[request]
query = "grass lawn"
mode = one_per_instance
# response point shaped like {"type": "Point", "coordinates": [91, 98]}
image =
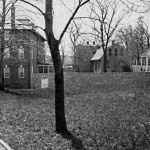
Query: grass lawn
{"type": "Point", "coordinates": [108, 111]}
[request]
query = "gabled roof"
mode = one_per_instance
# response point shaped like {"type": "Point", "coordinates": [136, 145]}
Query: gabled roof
{"type": "Point", "coordinates": [98, 55]}
{"type": "Point", "coordinates": [146, 53]}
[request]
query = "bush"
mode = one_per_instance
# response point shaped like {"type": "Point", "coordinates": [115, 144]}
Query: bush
{"type": "Point", "coordinates": [127, 69]}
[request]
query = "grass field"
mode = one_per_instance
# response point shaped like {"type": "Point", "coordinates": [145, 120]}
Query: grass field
{"type": "Point", "coordinates": [106, 111]}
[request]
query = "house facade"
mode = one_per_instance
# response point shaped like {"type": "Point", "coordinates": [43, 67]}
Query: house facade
{"type": "Point", "coordinates": [24, 52]}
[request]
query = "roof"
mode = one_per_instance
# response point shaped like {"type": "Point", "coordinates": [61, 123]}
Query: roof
{"type": "Point", "coordinates": [146, 54]}
{"type": "Point", "coordinates": [98, 55]}
{"type": "Point", "coordinates": [29, 27]}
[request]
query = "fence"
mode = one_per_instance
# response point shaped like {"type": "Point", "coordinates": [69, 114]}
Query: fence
{"type": "Point", "coordinates": [139, 68]}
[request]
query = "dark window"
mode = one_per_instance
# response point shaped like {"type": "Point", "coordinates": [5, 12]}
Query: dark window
{"type": "Point", "coordinates": [40, 69]}
{"type": "Point", "coordinates": [45, 69]}
{"type": "Point", "coordinates": [122, 52]}
{"type": "Point", "coordinates": [115, 51]}
{"type": "Point", "coordinates": [109, 51]}
{"type": "Point", "coordinates": [144, 61]}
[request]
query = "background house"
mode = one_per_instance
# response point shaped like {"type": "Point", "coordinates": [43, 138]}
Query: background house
{"type": "Point", "coordinates": [90, 58]}
{"type": "Point", "coordinates": [83, 56]}
{"type": "Point", "coordinates": [117, 59]}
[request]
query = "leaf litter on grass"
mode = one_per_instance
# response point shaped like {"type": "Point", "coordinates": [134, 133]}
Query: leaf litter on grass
{"type": "Point", "coordinates": [101, 109]}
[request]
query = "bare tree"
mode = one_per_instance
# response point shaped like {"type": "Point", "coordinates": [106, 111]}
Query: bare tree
{"type": "Point", "coordinates": [61, 126]}
{"type": "Point", "coordinates": [143, 28]}
{"type": "Point", "coordinates": [105, 19]}
{"type": "Point", "coordinates": [75, 34]}
{"type": "Point", "coordinates": [139, 6]}
{"type": "Point", "coordinates": [134, 40]}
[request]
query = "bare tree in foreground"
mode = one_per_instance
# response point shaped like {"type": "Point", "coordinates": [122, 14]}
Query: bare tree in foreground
{"type": "Point", "coordinates": [61, 126]}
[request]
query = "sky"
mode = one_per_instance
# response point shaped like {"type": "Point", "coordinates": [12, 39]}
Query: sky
{"type": "Point", "coordinates": [62, 11]}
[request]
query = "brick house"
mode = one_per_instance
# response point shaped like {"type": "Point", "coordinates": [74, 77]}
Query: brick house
{"type": "Point", "coordinates": [24, 52]}
{"type": "Point", "coordinates": [117, 59]}
{"type": "Point", "coordinates": [23, 57]}
{"type": "Point", "coordinates": [83, 56]}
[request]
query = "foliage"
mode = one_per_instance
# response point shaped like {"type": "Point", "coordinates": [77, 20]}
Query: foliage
{"type": "Point", "coordinates": [106, 111]}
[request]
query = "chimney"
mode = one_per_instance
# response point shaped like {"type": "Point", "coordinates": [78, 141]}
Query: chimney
{"type": "Point", "coordinates": [113, 42]}
{"type": "Point", "coordinates": [13, 17]}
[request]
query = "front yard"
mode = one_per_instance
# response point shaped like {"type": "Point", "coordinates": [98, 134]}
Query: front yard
{"type": "Point", "coordinates": [105, 111]}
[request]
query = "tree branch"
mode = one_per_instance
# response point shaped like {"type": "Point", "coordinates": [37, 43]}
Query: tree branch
{"type": "Point", "coordinates": [33, 6]}
{"type": "Point", "coordinates": [71, 18]}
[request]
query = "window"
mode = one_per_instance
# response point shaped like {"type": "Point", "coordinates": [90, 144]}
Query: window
{"type": "Point", "coordinates": [43, 69]}
{"type": "Point", "coordinates": [144, 61]}
{"type": "Point", "coordinates": [21, 52]}
{"type": "Point", "coordinates": [115, 51]}
{"type": "Point", "coordinates": [6, 72]}
{"type": "Point", "coordinates": [14, 47]}
{"type": "Point", "coordinates": [109, 51]}
{"type": "Point", "coordinates": [21, 72]}
{"type": "Point", "coordinates": [46, 69]}
{"type": "Point", "coordinates": [6, 53]}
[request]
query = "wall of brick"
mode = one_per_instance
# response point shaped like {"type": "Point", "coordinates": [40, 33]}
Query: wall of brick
{"type": "Point", "coordinates": [36, 79]}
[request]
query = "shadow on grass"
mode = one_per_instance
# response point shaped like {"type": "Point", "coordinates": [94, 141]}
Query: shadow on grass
{"type": "Point", "coordinates": [76, 142]}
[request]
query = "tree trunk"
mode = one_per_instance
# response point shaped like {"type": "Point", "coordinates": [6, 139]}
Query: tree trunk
{"type": "Point", "coordinates": [61, 126]}
{"type": "Point", "coordinates": [60, 120]}
{"type": "Point", "coordinates": [105, 62]}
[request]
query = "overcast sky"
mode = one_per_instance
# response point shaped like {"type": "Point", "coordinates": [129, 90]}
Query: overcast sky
{"type": "Point", "coordinates": [62, 12]}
